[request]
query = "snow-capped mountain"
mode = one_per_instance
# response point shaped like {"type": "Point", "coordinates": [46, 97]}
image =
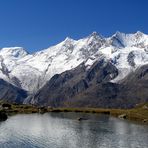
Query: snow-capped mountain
{"type": "Point", "coordinates": [31, 71]}
{"type": "Point", "coordinates": [8, 61]}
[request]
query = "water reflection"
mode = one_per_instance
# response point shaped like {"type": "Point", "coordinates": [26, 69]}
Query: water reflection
{"type": "Point", "coordinates": [63, 130]}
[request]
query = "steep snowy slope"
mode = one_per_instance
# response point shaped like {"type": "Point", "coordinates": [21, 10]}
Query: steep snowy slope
{"type": "Point", "coordinates": [8, 61]}
{"type": "Point", "coordinates": [138, 39]}
{"type": "Point", "coordinates": [31, 71]}
{"type": "Point", "coordinates": [36, 69]}
{"type": "Point", "coordinates": [10, 55]}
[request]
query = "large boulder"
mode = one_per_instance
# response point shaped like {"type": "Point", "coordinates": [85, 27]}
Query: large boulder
{"type": "Point", "coordinates": [3, 116]}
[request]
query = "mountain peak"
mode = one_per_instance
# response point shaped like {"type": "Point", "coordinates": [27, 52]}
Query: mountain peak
{"type": "Point", "coordinates": [68, 39]}
{"type": "Point", "coordinates": [16, 52]}
{"type": "Point", "coordinates": [139, 34]}
{"type": "Point", "coordinates": [95, 34]}
{"type": "Point", "coordinates": [118, 34]}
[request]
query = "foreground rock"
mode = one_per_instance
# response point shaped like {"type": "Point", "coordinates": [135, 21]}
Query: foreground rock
{"type": "Point", "coordinates": [123, 116]}
{"type": "Point", "coordinates": [3, 116]}
{"type": "Point", "coordinates": [80, 119]}
{"type": "Point", "coordinates": [145, 120]}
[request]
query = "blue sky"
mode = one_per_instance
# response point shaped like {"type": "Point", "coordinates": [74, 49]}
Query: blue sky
{"type": "Point", "coordinates": [38, 24]}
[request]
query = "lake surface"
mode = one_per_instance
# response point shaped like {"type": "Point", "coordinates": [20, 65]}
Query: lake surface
{"type": "Point", "coordinates": [63, 130]}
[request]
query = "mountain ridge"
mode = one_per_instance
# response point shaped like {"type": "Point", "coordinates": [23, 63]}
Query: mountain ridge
{"type": "Point", "coordinates": [31, 72]}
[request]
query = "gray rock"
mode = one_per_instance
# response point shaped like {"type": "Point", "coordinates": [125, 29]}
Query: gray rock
{"type": "Point", "coordinates": [145, 107]}
{"type": "Point", "coordinates": [80, 119]}
{"type": "Point", "coordinates": [11, 93]}
{"type": "Point", "coordinates": [145, 120]}
{"type": "Point", "coordinates": [123, 116]}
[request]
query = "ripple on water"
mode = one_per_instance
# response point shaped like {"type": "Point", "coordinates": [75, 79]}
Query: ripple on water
{"type": "Point", "coordinates": [62, 130]}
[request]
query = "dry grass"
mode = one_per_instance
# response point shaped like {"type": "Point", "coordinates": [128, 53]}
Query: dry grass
{"type": "Point", "coordinates": [139, 113]}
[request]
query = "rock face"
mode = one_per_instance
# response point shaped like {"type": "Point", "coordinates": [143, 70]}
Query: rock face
{"type": "Point", "coordinates": [10, 93]}
{"type": "Point", "coordinates": [80, 88]}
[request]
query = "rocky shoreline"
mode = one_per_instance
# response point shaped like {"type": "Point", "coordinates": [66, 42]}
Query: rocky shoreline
{"type": "Point", "coordinates": [139, 113]}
